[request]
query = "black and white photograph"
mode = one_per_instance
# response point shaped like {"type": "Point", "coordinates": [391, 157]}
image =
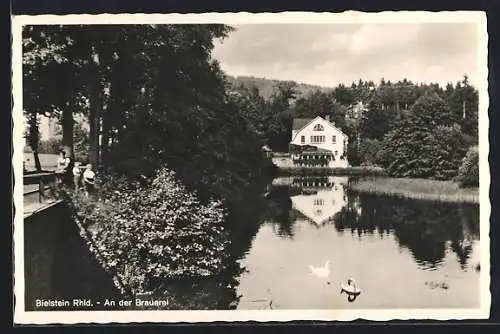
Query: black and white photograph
{"type": "Point", "coordinates": [268, 167]}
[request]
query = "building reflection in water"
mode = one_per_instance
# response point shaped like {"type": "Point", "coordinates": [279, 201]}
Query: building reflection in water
{"type": "Point", "coordinates": [320, 199]}
{"type": "Point", "coordinates": [430, 230]}
{"type": "Point", "coordinates": [306, 220]}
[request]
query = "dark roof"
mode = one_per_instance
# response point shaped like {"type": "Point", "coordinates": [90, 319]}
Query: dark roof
{"type": "Point", "coordinates": [318, 151]}
{"type": "Point", "coordinates": [299, 123]}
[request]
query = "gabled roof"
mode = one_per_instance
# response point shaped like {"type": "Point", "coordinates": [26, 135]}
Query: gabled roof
{"type": "Point", "coordinates": [299, 123]}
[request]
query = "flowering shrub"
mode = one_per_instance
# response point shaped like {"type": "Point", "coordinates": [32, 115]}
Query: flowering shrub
{"type": "Point", "coordinates": [150, 233]}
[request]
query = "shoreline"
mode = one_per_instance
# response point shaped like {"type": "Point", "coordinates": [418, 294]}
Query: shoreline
{"type": "Point", "coordinates": [434, 190]}
{"type": "Point", "coordinates": [331, 171]}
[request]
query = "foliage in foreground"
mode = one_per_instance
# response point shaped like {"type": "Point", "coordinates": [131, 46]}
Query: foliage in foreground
{"type": "Point", "coordinates": [468, 173]}
{"type": "Point", "coordinates": [154, 233]}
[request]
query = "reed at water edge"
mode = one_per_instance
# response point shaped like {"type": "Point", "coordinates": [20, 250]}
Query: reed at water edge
{"type": "Point", "coordinates": [446, 191]}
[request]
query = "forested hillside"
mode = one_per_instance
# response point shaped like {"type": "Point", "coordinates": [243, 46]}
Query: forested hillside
{"type": "Point", "coordinates": [266, 86]}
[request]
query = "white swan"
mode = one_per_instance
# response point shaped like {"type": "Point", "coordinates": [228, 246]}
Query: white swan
{"type": "Point", "coordinates": [321, 272]}
{"type": "Point", "coordinates": [350, 288]}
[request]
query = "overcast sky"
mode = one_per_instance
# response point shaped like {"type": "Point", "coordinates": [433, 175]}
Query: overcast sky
{"type": "Point", "coordinates": [327, 54]}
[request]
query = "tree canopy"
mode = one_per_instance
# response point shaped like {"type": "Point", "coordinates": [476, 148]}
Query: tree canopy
{"type": "Point", "coordinates": [208, 126]}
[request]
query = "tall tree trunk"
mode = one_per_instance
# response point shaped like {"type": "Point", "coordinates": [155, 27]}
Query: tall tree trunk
{"type": "Point", "coordinates": [33, 138]}
{"type": "Point", "coordinates": [107, 121]}
{"type": "Point", "coordinates": [67, 129]}
{"type": "Point", "coordinates": [95, 105]}
{"type": "Point", "coordinates": [38, 166]}
{"type": "Point", "coordinates": [94, 125]}
{"type": "Point", "coordinates": [106, 128]}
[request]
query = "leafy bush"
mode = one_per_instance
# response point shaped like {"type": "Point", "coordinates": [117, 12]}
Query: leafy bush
{"type": "Point", "coordinates": [468, 173]}
{"type": "Point", "coordinates": [353, 155]}
{"type": "Point", "coordinates": [161, 231]}
{"type": "Point", "coordinates": [369, 150]}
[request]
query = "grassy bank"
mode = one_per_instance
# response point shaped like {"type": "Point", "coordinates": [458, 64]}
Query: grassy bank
{"type": "Point", "coordinates": [447, 191]}
{"type": "Point", "coordinates": [48, 161]}
{"type": "Point", "coordinates": [347, 171]}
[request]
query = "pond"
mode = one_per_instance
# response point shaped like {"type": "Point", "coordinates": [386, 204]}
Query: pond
{"type": "Point", "coordinates": [401, 253]}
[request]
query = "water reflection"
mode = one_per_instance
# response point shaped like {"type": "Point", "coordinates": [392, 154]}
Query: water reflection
{"type": "Point", "coordinates": [390, 245]}
{"type": "Point", "coordinates": [320, 199]}
{"type": "Point", "coordinates": [427, 228]}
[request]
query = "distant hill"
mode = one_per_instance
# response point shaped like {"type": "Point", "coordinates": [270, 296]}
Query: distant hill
{"type": "Point", "coordinates": [265, 86]}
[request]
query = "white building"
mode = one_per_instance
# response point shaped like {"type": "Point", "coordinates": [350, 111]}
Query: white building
{"type": "Point", "coordinates": [356, 111]}
{"type": "Point", "coordinates": [318, 141]}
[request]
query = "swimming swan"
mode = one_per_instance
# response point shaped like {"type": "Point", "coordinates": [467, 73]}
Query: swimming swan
{"type": "Point", "coordinates": [321, 272]}
{"type": "Point", "coordinates": [350, 288]}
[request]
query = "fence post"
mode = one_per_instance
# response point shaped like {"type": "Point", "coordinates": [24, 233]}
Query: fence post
{"type": "Point", "coordinates": [41, 187]}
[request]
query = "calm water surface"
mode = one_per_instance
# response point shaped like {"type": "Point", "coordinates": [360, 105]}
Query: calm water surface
{"type": "Point", "coordinates": [402, 253]}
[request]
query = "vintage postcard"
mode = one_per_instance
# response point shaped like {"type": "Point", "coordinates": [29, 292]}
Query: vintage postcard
{"type": "Point", "coordinates": [250, 167]}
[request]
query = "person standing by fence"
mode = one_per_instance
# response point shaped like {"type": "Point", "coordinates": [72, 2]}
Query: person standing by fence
{"type": "Point", "coordinates": [89, 180]}
{"type": "Point", "coordinates": [62, 167]}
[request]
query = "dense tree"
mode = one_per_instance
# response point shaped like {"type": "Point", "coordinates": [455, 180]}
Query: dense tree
{"type": "Point", "coordinates": [464, 101]}
{"type": "Point", "coordinates": [375, 122]}
{"type": "Point", "coordinates": [344, 95]}
{"type": "Point", "coordinates": [369, 150]}
{"type": "Point", "coordinates": [320, 104]}
{"type": "Point", "coordinates": [251, 104]}
{"type": "Point", "coordinates": [426, 143]}
{"type": "Point", "coordinates": [278, 116]}
{"type": "Point", "coordinates": [125, 79]}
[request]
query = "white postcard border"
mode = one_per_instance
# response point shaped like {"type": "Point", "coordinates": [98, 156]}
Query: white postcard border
{"type": "Point", "coordinates": [73, 317]}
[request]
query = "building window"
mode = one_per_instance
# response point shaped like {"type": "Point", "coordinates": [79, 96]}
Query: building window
{"type": "Point", "coordinates": [319, 201]}
{"type": "Point", "coordinates": [317, 139]}
{"type": "Point", "coordinates": [318, 127]}
{"type": "Point", "coordinates": [334, 139]}
{"type": "Point", "coordinates": [303, 139]}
